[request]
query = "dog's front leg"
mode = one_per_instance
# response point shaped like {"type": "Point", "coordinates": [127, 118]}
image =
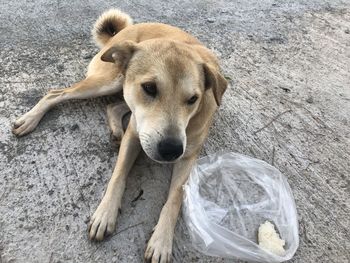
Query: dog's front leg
{"type": "Point", "coordinates": [103, 221]}
{"type": "Point", "coordinates": [160, 245]}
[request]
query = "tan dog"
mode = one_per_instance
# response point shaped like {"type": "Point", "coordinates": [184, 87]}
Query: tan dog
{"type": "Point", "coordinates": [171, 84]}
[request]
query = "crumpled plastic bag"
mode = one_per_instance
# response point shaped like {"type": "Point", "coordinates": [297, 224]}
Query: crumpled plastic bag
{"type": "Point", "coordinates": [227, 197]}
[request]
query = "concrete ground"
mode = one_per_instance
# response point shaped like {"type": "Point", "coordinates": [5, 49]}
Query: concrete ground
{"type": "Point", "coordinates": [288, 103]}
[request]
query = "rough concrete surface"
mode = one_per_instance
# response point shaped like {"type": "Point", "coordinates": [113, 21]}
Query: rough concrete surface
{"type": "Point", "coordinates": [288, 104]}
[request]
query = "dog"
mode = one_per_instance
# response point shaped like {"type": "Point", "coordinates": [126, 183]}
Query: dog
{"type": "Point", "coordinates": [172, 85]}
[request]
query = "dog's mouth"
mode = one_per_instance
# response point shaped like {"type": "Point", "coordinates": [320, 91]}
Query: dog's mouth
{"type": "Point", "coordinates": [167, 150]}
{"type": "Point", "coordinates": [159, 160]}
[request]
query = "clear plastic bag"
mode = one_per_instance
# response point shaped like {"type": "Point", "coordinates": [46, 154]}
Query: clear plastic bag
{"type": "Point", "coordinates": [227, 197]}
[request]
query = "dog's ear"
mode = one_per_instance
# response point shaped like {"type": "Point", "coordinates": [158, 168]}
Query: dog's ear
{"type": "Point", "coordinates": [215, 81]}
{"type": "Point", "coordinates": [120, 54]}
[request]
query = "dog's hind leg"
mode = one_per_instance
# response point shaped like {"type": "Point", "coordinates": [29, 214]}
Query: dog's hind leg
{"type": "Point", "coordinates": [90, 87]}
{"type": "Point", "coordinates": [118, 115]}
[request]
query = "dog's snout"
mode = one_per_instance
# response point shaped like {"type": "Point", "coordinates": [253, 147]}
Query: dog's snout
{"type": "Point", "coordinates": [170, 149]}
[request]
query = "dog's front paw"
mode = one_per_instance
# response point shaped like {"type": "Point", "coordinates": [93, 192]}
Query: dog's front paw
{"type": "Point", "coordinates": [103, 221]}
{"type": "Point", "coordinates": [25, 124]}
{"type": "Point", "coordinates": [159, 247]}
{"type": "Point", "coordinates": [117, 115]}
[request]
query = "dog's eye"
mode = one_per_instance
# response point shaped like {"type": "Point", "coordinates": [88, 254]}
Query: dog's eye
{"type": "Point", "coordinates": [150, 88]}
{"type": "Point", "coordinates": [192, 100]}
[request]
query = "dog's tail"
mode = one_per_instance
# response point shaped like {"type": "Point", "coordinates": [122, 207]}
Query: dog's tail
{"type": "Point", "coordinates": [108, 25]}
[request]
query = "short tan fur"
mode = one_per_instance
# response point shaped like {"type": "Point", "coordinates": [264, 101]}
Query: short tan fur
{"type": "Point", "coordinates": [172, 85]}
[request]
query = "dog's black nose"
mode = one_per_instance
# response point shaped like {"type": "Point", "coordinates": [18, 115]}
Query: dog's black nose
{"type": "Point", "coordinates": [170, 149]}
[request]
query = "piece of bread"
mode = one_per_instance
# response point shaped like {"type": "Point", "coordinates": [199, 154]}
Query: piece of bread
{"type": "Point", "coordinates": [270, 240]}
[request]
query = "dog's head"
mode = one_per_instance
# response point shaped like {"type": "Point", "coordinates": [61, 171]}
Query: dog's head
{"type": "Point", "coordinates": [165, 84]}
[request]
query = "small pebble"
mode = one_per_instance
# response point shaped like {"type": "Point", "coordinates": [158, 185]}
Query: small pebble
{"type": "Point", "coordinates": [309, 100]}
{"type": "Point", "coordinates": [210, 20]}
{"type": "Point", "coordinates": [87, 56]}
{"type": "Point", "coordinates": [347, 31]}
{"type": "Point", "coordinates": [74, 127]}
{"type": "Point", "coordinates": [60, 68]}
